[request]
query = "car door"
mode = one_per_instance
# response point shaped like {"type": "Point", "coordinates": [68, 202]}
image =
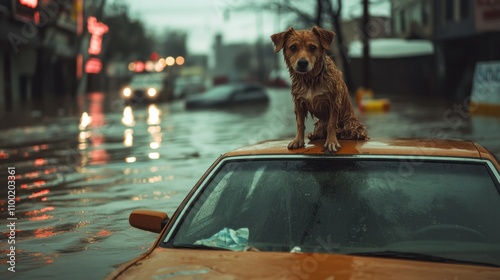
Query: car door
{"type": "Point", "coordinates": [249, 94]}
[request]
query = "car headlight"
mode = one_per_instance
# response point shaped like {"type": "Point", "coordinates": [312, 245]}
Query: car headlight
{"type": "Point", "coordinates": [127, 92]}
{"type": "Point", "coordinates": [151, 92]}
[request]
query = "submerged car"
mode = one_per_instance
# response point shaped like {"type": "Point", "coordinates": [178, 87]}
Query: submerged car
{"type": "Point", "coordinates": [398, 209]}
{"type": "Point", "coordinates": [146, 88]}
{"type": "Point", "coordinates": [229, 95]}
{"type": "Point", "coordinates": [186, 86]}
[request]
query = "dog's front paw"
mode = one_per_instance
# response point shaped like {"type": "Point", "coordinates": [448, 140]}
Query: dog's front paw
{"type": "Point", "coordinates": [296, 143]}
{"type": "Point", "coordinates": [331, 146]}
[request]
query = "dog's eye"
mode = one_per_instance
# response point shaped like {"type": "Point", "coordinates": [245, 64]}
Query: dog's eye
{"type": "Point", "coordinates": [293, 48]}
{"type": "Point", "coordinates": [312, 48]}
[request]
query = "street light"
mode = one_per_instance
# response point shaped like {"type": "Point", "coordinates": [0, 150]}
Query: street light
{"type": "Point", "coordinates": [170, 61]}
{"type": "Point", "coordinates": [159, 66]}
{"type": "Point", "coordinates": [131, 66]}
{"type": "Point", "coordinates": [149, 65]}
{"type": "Point", "coordinates": [179, 60]}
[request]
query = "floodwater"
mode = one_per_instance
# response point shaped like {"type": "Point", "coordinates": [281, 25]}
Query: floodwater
{"type": "Point", "coordinates": [80, 175]}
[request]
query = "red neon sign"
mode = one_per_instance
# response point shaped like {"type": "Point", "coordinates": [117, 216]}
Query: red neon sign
{"type": "Point", "coordinates": [93, 66]}
{"type": "Point", "coordinates": [95, 46]}
{"type": "Point", "coordinates": [25, 10]}
{"type": "Point", "coordinates": [29, 3]}
{"type": "Point", "coordinates": [97, 30]}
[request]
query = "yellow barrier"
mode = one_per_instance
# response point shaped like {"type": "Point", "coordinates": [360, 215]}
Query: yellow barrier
{"type": "Point", "coordinates": [484, 109]}
{"type": "Point", "coordinates": [366, 102]}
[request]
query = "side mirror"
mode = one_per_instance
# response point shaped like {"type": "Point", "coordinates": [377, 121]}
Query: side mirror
{"type": "Point", "coordinates": [149, 220]}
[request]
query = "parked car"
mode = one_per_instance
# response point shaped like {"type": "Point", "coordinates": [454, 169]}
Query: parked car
{"type": "Point", "coordinates": [229, 95]}
{"type": "Point", "coordinates": [399, 209]}
{"type": "Point", "coordinates": [280, 78]}
{"type": "Point", "coordinates": [147, 88]}
{"type": "Point", "coordinates": [185, 87]}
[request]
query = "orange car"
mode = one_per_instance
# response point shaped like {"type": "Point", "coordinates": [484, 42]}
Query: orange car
{"type": "Point", "coordinates": [377, 209]}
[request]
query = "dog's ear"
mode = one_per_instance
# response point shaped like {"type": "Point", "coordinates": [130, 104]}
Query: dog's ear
{"type": "Point", "coordinates": [280, 38]}
{"type": "Point", "coordinates": [325, 36]}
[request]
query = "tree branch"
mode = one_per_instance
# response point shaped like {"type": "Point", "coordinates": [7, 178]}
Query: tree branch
{"type": "Point", "coordinates": [286, 7]}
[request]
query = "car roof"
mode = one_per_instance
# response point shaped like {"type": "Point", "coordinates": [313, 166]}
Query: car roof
{"type": "Point", "coordinates": [240, 85]}
{"type": "Point", "coordinates": [382, 147]}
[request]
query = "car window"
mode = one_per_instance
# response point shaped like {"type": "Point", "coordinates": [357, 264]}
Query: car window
{"type": "Point", "coordinates": [351, 205]}
{"type": "Point", "coordinates": [147, 80]}
{"type": "Point", "coordinates": [249, 93]}
{"type": "Point", "coordinates": [219, 91]}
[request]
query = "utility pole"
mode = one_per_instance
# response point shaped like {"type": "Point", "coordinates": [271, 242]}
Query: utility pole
{"type": "Point", "coordinates": [81, 87]}
{"type": "Point", "coordinates": [366, 45]}
{"type": "Point", "coordinates": [365, 92]}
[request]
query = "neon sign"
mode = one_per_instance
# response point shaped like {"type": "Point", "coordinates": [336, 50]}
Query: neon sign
{"type": "Point", "coordinates": [93, 66]}
{"type": "Point", "coordinates": [26, 10]}
{"type": "Point", "coordinates": [29, 3]}
{"type": "Point", "coordinates": [96, 30]}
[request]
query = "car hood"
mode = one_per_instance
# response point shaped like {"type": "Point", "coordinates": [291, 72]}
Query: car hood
{"type": "Point", "coordinates": [138, 87]}
{"type": "Point", "coordinates": [200, 264]}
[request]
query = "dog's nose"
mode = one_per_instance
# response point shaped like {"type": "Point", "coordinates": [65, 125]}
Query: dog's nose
{"type": "Point", "coordinates": [302, 63]}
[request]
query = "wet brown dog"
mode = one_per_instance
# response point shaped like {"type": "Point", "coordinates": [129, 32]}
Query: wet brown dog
{"type": "Point", "coordinates": [318, 88]}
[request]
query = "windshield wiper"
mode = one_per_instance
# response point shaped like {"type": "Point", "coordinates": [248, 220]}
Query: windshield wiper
{"type": "Point", "coordinates": [197, 246]}
{"type": "Point", "coordinates": [418, 257]}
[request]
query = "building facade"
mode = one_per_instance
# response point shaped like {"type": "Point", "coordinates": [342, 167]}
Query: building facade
{"type": "Point", "coordinates": [242, 61]}
{"type": "Point", "coordinates": [463, 32]}
{"type": "Point", "coordinates": [378, 28]}
{"type": "Point", "coordinates": [37, 51]}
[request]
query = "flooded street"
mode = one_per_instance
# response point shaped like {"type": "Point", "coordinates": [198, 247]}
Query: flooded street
{"type": "Point", "coordinates": [78, 177]}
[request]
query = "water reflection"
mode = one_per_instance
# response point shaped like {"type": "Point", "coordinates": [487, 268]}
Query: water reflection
{"type": "Point", "coordinates": [76, 191]}
{"type": "Point", "coordinates": [154, 129]}
{"type": "Point", "coordinates": [36, 215]}
{"type": "Point", "coordinates": [154, 114]}
{"type": "Point", "coordinates": [92, 126]}
{"type": "Point", "coordinates": [128, 138]}
{"type": "Point", "coordinates": [154, 155]}
{"type": "Point", "coordinates": [82, 139]}
{"type": "Point", "coordinates": [128, 116]}
{"type": "Point", "coordinates": [130, 159]}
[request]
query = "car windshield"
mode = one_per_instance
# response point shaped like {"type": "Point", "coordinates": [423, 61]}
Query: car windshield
{"type": "Point", "coordinates": [147, 80]}
{"type": "Point", "coordinates": [441, 208]}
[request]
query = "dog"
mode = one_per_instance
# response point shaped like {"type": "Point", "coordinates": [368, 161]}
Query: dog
{"type": "Point", "coordinates": [318, 88]}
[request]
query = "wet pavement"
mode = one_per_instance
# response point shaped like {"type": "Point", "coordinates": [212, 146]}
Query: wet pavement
{"type": "Point", "coordinates": [79, 176]}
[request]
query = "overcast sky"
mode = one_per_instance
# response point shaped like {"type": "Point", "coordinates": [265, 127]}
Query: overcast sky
{"type": "Point", "coordinates": [202, 19]}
